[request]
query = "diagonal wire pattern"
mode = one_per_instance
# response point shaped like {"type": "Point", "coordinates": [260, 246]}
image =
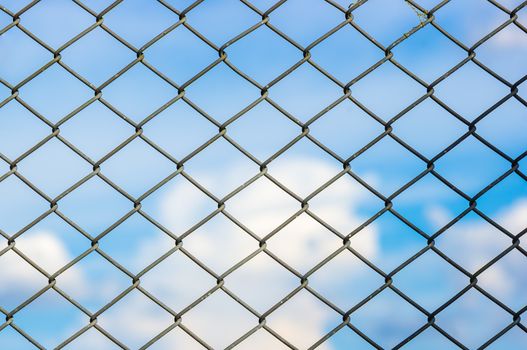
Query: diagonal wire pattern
{"type": "Point", "coordinates": [427, 19]}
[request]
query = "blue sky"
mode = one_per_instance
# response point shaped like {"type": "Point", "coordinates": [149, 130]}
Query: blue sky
{"type": "Point", "coordinates": [220, 168]}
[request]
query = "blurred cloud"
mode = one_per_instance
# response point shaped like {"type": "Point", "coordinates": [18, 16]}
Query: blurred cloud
{"type": "Point", "coordinates": [46, 251]}
{"type": "Point", "coordinates": [481, 240]}
{"type": "Point", "coordinates": [510, 37]}
{"type": "Point", "coordinates": [506, 278]}
{"type": "Point", "coordinates": [181, 205]}
{"type": "Point", "coordinates": [179, 281]}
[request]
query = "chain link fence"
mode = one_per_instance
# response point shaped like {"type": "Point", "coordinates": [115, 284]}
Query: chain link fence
{"type": "Point", "coordinates": [343, 317]}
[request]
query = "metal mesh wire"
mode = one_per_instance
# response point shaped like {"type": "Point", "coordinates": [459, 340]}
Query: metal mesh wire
{"type": "Point", "coordinates": [427, 19]}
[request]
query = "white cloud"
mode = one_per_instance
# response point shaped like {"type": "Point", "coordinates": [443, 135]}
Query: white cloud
{"type": "Point", "coordinates": [510, 37]}
{"type": "Point", "coordinates": [255, 207]}
{"type": "Point", "coordinates": [48, 252]}
{"type": "Point", "coordinates": [515, 217]}
{"type": "Point", "coordinates": [472, 319]}
{"type": "Point", "coordinates": [438, 216]}
{"type": "Point", "coordinates": [261, 283]}
{"type": "Point", "coordinates": [473, 244]}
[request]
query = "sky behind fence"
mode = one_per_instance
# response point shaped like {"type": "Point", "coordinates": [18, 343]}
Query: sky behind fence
{"type": "Point", "coordinates": [111, 239]}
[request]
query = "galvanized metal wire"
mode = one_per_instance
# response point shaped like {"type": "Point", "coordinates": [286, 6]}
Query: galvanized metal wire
{"type": "Point", "coordinates": [427, 18]}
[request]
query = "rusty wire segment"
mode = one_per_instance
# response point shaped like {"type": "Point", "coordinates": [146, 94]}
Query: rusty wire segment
{"type": "Point", "coordinates": [426, 18]}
